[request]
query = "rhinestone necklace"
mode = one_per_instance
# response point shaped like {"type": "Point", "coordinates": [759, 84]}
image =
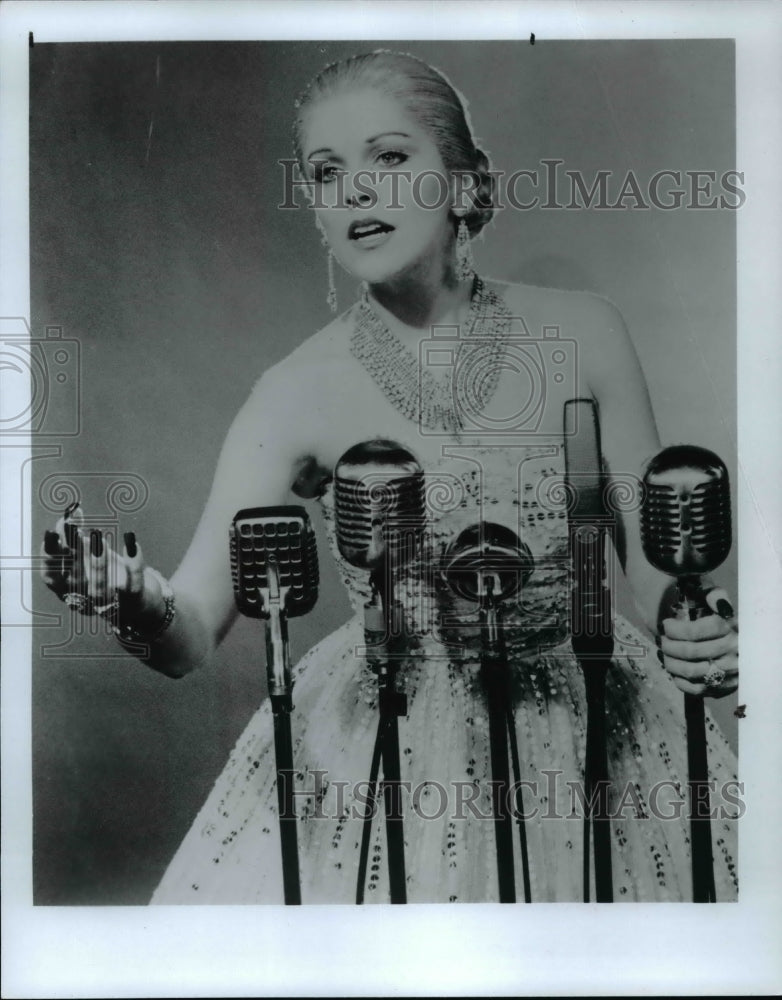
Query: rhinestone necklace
{"type": "Point", "coordinates": [471, 375]}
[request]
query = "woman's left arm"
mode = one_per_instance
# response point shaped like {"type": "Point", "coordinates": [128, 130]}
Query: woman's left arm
{"type": "Point", "coordinates": [701, 656]}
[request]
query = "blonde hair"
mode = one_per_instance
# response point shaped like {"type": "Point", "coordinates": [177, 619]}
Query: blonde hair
{"type": "Point", "coordinates": [429, 98]}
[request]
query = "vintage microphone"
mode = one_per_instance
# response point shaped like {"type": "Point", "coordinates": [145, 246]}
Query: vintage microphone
{"type": "Point", "coordinates": [274, 567]}
{"type": "Point", "coordinates": [380, 516]}
{"type": "Point", "coordinates": [487, 564]}
{"type": "Point", "coordinates": [685, 532]}
{"type": "Point", "coordinates": [590, 624]}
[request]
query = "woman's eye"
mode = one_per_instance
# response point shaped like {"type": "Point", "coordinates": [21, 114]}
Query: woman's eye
{"type": "Point", "coordinates": [392, 158]}
{"type": "Point", "coordinates": [325, 173]}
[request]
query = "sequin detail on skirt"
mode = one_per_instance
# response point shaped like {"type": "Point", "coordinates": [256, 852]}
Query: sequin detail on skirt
{"type": "Point", "coordinates": [232, 852]}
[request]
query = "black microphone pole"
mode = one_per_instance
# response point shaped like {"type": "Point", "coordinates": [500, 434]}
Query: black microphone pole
{"type": "Point", "coordinates": [494, 668]}
{"type": "Point", "coordinates": [391, 704]}
{"type": "Point", "coordinates": [702, 860]}
{"type": "Point", "coordinates": [280, 691]}
{"type": "Point", "coordinates": [488, 564]}
{"type": "Point", "coordinates": [591, 626]}
{"type": "Point", "coordinates": [379, 507]}
{"type": "Point", "coordinates": [275, 575]}
{"type": "Point", "coordinates": [685, 532]}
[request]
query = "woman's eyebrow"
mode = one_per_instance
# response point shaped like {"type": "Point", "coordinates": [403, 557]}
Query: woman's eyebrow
{"type": "Point", "coordinates": [315, 152]}
{"type": "Point", "coordinates": [382, 135]}
{"type": "Point", "coordinates": [368, 142]}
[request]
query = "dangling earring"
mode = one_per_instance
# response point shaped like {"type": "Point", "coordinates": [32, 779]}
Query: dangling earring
{"type": "Point", "coordinates": [331, 296]}
{"type": "Point", "coordinates": [465, 265]}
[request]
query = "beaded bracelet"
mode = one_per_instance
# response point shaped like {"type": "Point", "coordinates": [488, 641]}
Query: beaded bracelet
{"type": "Point", "coordinates": [129, 633]}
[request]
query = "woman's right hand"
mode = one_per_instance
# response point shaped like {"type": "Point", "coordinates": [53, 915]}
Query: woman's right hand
{"type": "Point", "coordinates": [88, 574]}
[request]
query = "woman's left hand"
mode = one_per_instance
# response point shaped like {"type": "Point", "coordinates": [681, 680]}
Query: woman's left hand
{"type": "Point", "coordinates": [702, 655]}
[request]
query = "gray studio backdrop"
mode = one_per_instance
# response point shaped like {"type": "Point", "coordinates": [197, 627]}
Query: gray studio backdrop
{"type": "Point", "coordinates": [158, 247]}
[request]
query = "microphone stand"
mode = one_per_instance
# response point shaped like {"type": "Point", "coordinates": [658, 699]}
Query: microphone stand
{"type": "Point", "coordinates": [703, 888]}
{"type": "Point", "coordinates": [494, 668]}
{"type": "Point", "coordinates": [391, 704]}
{"type": "Point", "coordinates": [380, 515]}
{"type": "Point", "coordinates": [686, 531]}
{"type": "Point", "coordinates": [593, 648]}
{"type": "Point", "coordinates": [280, 695]}
{"type": "Point", "coordinates": [274, 571]}
{"type": "Point", "coordinates": [591, 627]}
{"type": "Point", "coordinates": [488, 564]}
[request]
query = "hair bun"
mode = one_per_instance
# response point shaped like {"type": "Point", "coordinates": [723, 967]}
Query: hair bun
{"type": "Point", "coordinates": [484, 205]}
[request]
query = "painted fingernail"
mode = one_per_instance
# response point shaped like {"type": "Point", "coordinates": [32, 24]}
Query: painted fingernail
{"type": "Point", "coordinates": [51, 543]}
{"type": "Point", "coordinates": [96, 543]}
{"type": "Point", "coordinates": [725, 609]}
{"type": "Point", "coordinates": [71, 509]}
{"type": "Point", "coordinates": [71, 534]}
{"type": "Point", "coordinates": [130, 543]}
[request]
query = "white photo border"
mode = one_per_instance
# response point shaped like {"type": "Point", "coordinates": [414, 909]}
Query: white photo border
{"type": "Point", "coordinates": [482, 950]}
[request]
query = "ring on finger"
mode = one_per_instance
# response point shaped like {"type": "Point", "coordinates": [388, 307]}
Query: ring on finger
{"type": "Point", "coordinates": [80, 602]}
{"type": "Point", "coordinates": [715, 676]}
{"type": "Point", "coordinates": [108, 611]}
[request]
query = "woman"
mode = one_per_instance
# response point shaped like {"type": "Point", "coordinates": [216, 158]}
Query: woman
{"type": "Point", "coordinates": [398, 190]}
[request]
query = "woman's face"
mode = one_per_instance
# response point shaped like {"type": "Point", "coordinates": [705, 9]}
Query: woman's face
{"type": "Point", "coordinates": [382, 194]}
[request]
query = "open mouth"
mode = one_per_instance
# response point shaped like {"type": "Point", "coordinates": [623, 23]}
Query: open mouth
{"type": "Point", "coordinates": [368, 228]}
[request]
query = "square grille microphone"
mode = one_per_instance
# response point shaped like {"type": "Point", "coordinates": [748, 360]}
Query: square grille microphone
{"type": "Point", "coordinates": [282, 536]}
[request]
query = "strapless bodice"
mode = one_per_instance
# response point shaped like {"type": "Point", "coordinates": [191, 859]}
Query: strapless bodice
{"type": "Point", "coordinates": [517, 488]}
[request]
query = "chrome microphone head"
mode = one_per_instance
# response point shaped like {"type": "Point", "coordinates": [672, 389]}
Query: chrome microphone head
{"type": "Point", "coordinates": [281, 538]}
{"type": "Point", "coordinates": [379, 503]}
{"type": "Point", "coordinates": [685, 515]}
{"type": "Point", "coordinates": [487, 555]}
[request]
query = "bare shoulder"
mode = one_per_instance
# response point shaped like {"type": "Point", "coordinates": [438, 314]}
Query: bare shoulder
{"type": "Point", "coordinates": [304, 376]}
{"type": "Point", "coordinates": [584, 315]}
{"type": "Point", "coordinates": [607, 358]}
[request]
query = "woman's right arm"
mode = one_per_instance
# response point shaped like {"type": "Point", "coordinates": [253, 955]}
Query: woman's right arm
{"type": "Point", "coordinates": [255, 468]}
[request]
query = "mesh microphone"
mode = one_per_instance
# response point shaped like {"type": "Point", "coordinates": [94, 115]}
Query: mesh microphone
{"type": "Point", "coordinates": [379, 504]}
{"type": "Point", "coordinates": [686, 516]}
{"type": "Point", "coordinates": [486, 564]}
{"type": "Point", "coordinates": [487, 559]}
{"type": "Point", "coordinates": [379, 508]}
{"type": "Point", "coordinates": [274, 556]}
{"type": "Point", "coordinates": [686, 531]}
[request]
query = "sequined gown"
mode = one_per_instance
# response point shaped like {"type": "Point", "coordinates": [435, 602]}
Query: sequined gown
{"type": "Point", "coordinates": [232, 852]}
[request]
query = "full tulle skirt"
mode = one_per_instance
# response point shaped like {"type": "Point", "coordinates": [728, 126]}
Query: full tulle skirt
{"type": "Point", "coordinates": [232, 851]}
